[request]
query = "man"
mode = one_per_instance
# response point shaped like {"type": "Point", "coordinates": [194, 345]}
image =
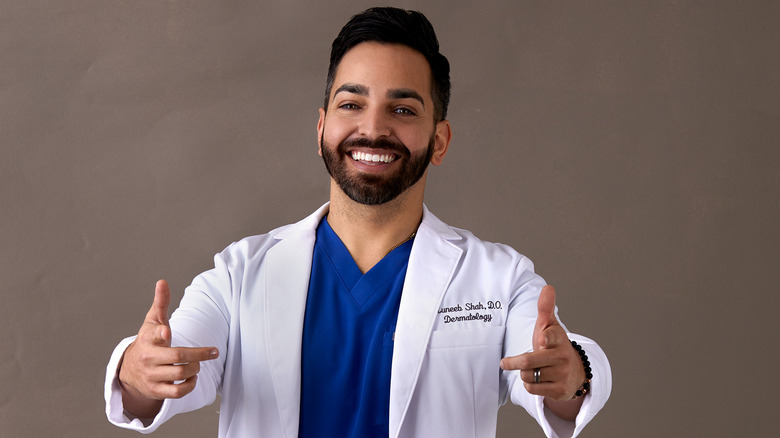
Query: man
{"type": "Point", "coordinates": [370, 317]}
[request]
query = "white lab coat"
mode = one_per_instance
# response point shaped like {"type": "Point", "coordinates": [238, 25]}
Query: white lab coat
{"type": "Point", "coordinates": [465, 305]}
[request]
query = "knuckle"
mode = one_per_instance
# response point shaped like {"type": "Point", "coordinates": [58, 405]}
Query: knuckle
{"type": "Point", "coordinates": [145, 357]}
{"type": "Point", "coordinates": [522, 363]}
{"type": "Point", "coordinates": [177, 392]}
{"type": "Point", "coordinates": [157, 391]}
{"type": "Point", "coordinates": [525, 376]}
{"type": "Point", "coordinates": [179, 373]}
{"type": "Point", "coordinates": [180, 390]}
{"type": "Point", "coordinates": [165, 390]}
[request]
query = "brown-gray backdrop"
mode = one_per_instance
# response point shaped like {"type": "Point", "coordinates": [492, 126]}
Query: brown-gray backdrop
{"type": "Point", "coordinates": [629, 148]}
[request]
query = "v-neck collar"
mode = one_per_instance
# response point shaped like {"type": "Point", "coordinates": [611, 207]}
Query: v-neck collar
{"type": "Point", "coordinates": [361, 286]}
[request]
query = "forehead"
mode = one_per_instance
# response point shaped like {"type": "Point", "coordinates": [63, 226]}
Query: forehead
{"type": "Point", "coordinates": [381, 67]}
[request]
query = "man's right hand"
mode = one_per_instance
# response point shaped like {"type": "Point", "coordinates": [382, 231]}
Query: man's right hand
{"type": "Point", "coordinates": [150, 367]}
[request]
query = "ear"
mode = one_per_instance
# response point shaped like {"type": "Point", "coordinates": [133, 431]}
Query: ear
{"type": "Point", "coordinates": [320, 129]}
{"type": "Point", "coordinates": [442, 139]}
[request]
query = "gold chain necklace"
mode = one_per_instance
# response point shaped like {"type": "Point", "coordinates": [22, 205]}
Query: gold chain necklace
{"type": "Point", "coordinates": [411, 236]}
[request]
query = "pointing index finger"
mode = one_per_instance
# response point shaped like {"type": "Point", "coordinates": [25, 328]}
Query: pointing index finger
{"type": "Point", "coordinates": [183, 355]}
{"type": "Point", "coordinates": [525, 361]}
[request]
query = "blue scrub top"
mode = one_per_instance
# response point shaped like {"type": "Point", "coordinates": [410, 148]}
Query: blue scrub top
{"type": "Point", "coordinates": [347, 349]}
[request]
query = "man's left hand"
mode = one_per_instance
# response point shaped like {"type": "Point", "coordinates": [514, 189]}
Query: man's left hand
{"type": "Point", "coordinates": [560, 369]}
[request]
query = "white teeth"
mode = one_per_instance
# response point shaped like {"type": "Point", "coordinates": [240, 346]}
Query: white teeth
{"type": "Point", "coordinates": [374, 158]}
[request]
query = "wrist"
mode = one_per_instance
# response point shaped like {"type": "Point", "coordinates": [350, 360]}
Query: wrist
{"type": "Point", "coordinates": [585, 386]}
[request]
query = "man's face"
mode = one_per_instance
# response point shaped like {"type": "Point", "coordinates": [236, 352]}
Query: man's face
{"type": "Point", "coordinates": [378, 133]}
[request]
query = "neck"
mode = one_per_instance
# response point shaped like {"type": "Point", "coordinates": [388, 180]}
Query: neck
{"type": "Point", "coordinates": [370, 232]}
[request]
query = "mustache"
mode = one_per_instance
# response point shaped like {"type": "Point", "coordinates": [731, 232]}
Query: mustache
{"type": "Point", "coordinates": [381, 143]}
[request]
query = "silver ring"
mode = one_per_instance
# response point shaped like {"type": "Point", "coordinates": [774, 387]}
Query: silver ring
{"type": "Point", "coordinates": [537, 375]}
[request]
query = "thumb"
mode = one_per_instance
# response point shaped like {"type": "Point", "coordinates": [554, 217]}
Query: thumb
{"type": "Point", "coordinates": [545, 317]}
{"type": "Point", "coordinates": [158, 314]}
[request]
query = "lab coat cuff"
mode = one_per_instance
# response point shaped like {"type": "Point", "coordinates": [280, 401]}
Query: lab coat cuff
{"type": "Point", "coordinates": [601, 386]}
{"type": "Point", "coordinates": [115, 411]}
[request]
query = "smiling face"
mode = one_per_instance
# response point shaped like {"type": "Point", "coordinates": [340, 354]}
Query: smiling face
{"type": "Point", "coordinates": [378, 133]}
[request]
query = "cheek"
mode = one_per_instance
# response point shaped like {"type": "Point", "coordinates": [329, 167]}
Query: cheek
{"type": "Point", "coordinates": [415, 141]}
{"type": "Point", "coordinates": [334, 133]}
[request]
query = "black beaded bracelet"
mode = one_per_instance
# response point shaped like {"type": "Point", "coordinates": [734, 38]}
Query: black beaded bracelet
{"type": "Point", "coordinates": [588, 372]}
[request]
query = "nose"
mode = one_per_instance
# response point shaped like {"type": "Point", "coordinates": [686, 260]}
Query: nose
{"type": "Point", "coordinates": [374, 124]}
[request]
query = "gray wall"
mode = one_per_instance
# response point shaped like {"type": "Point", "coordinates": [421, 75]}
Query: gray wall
{"type": "Point", "coordinates": [629, 148]}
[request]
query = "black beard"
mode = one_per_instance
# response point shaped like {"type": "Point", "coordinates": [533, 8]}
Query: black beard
{"type": "Point", "coordinates": [370, 189]}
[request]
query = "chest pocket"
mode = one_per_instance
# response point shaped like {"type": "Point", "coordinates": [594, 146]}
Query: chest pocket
{"type": "Point", "coordinates": [465, 338]}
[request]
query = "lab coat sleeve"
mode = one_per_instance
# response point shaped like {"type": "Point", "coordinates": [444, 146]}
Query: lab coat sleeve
{"type": "Point", "coordinates": [520, 323]}
{"type": "Point", "coordinates": [202, 319]}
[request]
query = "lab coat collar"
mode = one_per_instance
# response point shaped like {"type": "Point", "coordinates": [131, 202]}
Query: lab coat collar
{"type": "Point", "coordinates": [309, 224]}
{"type": "Point", "coordinates": [432, 264]}
{"type": "Point", "coordinates": [288, 265]}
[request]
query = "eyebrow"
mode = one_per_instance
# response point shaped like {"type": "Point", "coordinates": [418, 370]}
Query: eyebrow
{"type": "Point", "coordinates": [360, 90]}
{"type": "Point", "coordinates": [405, 93]}
{"type": "Point", "coordinates": [395, 93]}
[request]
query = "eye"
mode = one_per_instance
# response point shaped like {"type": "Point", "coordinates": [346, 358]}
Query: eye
{"type": "Point", "coordinates": [405, 111]}
{"type": "Point", "coordinates": [348, 106]}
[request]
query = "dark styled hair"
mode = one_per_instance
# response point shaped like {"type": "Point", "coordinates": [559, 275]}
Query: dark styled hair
{"type": "Point", "coordinates": [395, 26]}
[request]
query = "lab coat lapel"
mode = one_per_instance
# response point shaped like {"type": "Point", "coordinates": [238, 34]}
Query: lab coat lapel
{"type": "Point", "coordinates": [288, 269]}
{"type": "Point", "coordinates": [432, 264]}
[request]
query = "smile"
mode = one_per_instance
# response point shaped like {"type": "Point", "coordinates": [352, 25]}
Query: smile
{"type": "Point", "coordinates": [372, 158]}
